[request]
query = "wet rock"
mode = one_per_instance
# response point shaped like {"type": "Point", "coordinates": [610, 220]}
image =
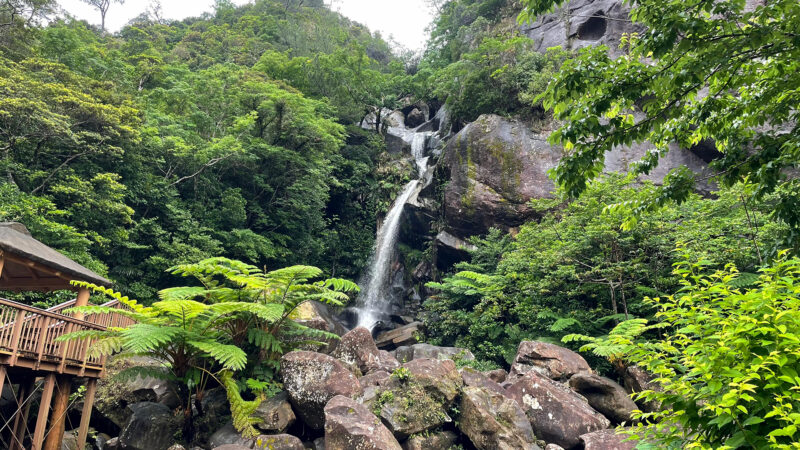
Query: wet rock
{"type": "Point", "coordinates": [416, 351]}
{"type": "Point", "coordinates": [150, 427]}
{"type": "Point", "coordinates": [552, 361]}
{"type": "Point", "coordinates": [442, 440]}
{"type": "Point", "coordinates": [227, 435]}
{"type": "Point", "coordinates": [497, 375]}
{"type": "Point", "coordinates": [607, 440]}
{"type": "Point", "coordinates": [311, 380]}
{"type": "Point", "coordinates": [405, 335]}
{"type": "Point", "coordinates": [177, 447]}
{"type": "Point", "coordinates": [553, 447]}
{"type": "Point", "coordinates": [474, 378]}
{"type": "Point", "coordinates": [439, 378]}
{"type": "Point", "coordinates": [604, 395]}
{"type": "Point", "coordinates": [495, 166]}
{"type": "Point", "coordinates": [493, 421]}
{"type": "Point", "coordinates": [451, 249]}
{"type": "Point", "coordinates": [357, 348]}
{"type": "Point", "coordinates": [69, 441]}
{"type": "Point", "coordinates": [415, 118]}
{"type": "Point", "coordinates": [350, 425]}
{"type": "Point", "coordinates": [275, 413]}
{"type": "Point", "coordinates": [112, 444]}
{"type": "Point", "coordinates": [216, 412]}
{"type": "Point", "coordinates": [557, 414]}
{"type": "Point", "coordinates": [319, 444]}
{"type": "Point", "coordinates": [638, 380]}
{"type": "Point", "coordinates": [396, 144]}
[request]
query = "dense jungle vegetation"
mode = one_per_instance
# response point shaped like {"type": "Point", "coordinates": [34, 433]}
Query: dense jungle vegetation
{"type": "Point", "coordinates": [225, 147]}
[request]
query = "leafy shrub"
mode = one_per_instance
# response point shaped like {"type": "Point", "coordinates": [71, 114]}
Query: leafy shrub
{"type": "Point", "coordinates": [727, 360]}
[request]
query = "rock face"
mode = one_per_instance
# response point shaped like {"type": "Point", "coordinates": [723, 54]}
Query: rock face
{"type": "Point", "coordinates": [150, 427]}
{"type": "Point", "coordinates": [637, 380]}
{"type": "Point", "coordinates": [311, 380]}
{"type": "Point", "coordinates": [606, 440]}
{"type": "Point", "coordinates": [552, 361]}
{"type": "Point", "coordinates": [279, 442]}
{"type": "Point", "coordinates": [275, 413]}
{"type": "Point", "coordinates": [557, 414]}
{"type": "Point", "coordinates": [495, 166]}
{"type": "Point", "coordinates": [493, 421]}
{"type": "Point", "coordinates": [582, 23]}
{"type": "Point", "coordinates": [415, 118]}
{"type": "Point", "coordinates": [350, 425]}
{"type": "Point", "coordinates": [605, 396]}
{"type": "Point", "coordinates": [416, 351]}
{"type": "Point", "coordinates": [357, 348]}
{"type": "Point", "coordinates": [473, 378]}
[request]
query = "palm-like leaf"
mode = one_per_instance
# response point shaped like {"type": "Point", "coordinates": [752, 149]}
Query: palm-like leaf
{"type": "Point", "coordinates": [230, 356]}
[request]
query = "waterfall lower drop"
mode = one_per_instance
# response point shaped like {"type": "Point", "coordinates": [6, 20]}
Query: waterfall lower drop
{"type": "Point", "coordinates": [375, 299]}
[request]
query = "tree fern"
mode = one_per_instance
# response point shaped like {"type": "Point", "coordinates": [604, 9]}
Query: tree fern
{"type": "Point", "coordinates": [241, 410]}
{"type": "Point", "coordinates": [229, 356]}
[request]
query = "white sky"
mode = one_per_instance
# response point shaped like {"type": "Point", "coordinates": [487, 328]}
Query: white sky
{"type": "Point", "coordinates": [405, 20]}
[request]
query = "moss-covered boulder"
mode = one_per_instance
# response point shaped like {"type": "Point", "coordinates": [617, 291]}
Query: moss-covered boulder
{"type": "Point", "coordinates": [350, 425]}
{"type": "Point", "coordinates": [493, 421]}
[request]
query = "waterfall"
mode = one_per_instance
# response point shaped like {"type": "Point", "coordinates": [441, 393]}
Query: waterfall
{"type": "Point", "coordinates": [374, 301]}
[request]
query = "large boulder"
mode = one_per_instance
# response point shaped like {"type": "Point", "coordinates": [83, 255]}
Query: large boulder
{"type": "Point", "coordinates": [279, 442]}
{"type": "Point", "coordinates": [552, 361]}
{"type": "Point", "coordinates": [636, 380]}
{"type": "Point", "coordinates": [350, 425]}
{"type": "Point", "coordinates": [495, 166]}
{"type": "Point", "coordinates": [150, 427]}
{"type": "Point", "coordinates": [417, 396]}
{"type": "Point", "coordinates": [437, 440]}
{"type": "Point", "coordinates": [311, 380]}
{"type": "Point", "coordinates": [605, 396]}
{"type": "Point", "coordinates": [607, 440]}
{"type": "Point", "coordinates": [416, 351]}
{"type": "Point", "coordinates": [493, 421]}
{"type": "Point", "coordinates": [275, 413]}
{"type": "Point", "coordinates": [357, 348]}
{"type": "Point", "coordinates": [474, 378]}
{"type": "Point", "coordinates": [415, 118]}
{"type": "Point", "coordinates": [557, 414]}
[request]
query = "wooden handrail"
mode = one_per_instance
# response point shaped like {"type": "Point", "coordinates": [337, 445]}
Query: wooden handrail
{"type": "Point", "coordinates": [29, 336]}
{"type": "Point", "coordinates": [45, 313]}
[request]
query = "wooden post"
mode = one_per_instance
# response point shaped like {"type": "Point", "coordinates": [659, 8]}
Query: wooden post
{"type": "Point", "coordinates": [16, 332]}
{"type": "Point", "coordinates": [82, 300]}
{"type": "Point", "coordinates": [44, 411]}
{"type": "Point", "coordinates": [21, 418]}
{"type": "Point", "coordinates": [86, 414]}
{"type": "Point", "coordinates": [56, 433]}
{"type": "Point", "coordinates": [2, 378]}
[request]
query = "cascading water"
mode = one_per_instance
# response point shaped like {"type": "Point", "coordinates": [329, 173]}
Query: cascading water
{"type": "Point", "coordinates": [374, 301]}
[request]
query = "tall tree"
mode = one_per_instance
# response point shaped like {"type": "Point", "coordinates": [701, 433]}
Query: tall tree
{"type": "Point", "coordinates": [102, 6]}
{"type": "Point", "coordinates": [721, 74]}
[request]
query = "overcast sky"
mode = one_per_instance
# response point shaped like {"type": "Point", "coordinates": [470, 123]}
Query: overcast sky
{"type": "Point", "coordinates": [406, 20]}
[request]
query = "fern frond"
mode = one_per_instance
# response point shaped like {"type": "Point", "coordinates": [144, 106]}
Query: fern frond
{"type": "Point", "coordinates": [84, 335]}
{"type": "Point", "coordinates": [241, 410]}
{"type": "Point", "coordinates": [230, 356]}
{"type": "Point", "coordinates": [132, 373]}
{"type": "Point", "coordinates": [143, 337]}
{"type": "Point", "coordinates": [270, 312]}
{"type": "Point", "coordinates": [340, 284]}
{"type": "Point", "coordinates": [129, 302]}
{"type": "Point", "coordinates": [182, 293]}
{"type": "Point", "coordinates": [183, 309]}
{"type": "Point", "coordinates": [106, 346]}
{"type": "Point", "coordinates": [297, 273]}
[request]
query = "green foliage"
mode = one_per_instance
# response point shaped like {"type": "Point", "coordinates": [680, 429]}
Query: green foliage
{"type": "Point", "coordinates": [238, 320]}
{"type": "Point", "coordinates": [711, 73]}
{"type": "Point", "coordinates": [578, 271]}
{"type": "Point", "coordinates": [726, 359]}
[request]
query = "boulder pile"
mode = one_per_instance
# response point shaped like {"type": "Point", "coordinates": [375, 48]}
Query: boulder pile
{"type": "Point", "coordinates": [416, 397]}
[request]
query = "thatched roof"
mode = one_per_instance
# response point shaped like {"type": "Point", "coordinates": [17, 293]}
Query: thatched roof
{"type": "Point", "coordinates": [17, 241]}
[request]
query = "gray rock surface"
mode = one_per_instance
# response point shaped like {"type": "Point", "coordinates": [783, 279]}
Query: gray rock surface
{"type": "Point", "coordinates": [552, 361]}
{"type": "Point", "coordinates": [350, 425]}
{"type": "Point", "coordinates": [405, 335]}
{"type": "Point", "coordinates": [150, 427]}
{"type": "Point", "coordinates": [604, 395]}
{"type": "Point", "coordinates": [311, 380]}
{"type": "Point", "coordinates": [275, 413]}
{"type": "Point", "coordinates": [357, 348]}
{"type": "Point", "coordinates": [474, 378]}
{"type": "Point", "coordinates": [557, 414]}
{"type": "Point", "coordinates": [493, 421]}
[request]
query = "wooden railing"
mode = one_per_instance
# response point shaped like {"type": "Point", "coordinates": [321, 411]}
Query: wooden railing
{"type": "Point", "coordinates": [28, 337]}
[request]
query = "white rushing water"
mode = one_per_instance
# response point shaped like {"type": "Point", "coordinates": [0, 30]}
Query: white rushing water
{"type": "Point", "coordinates": [375, 299]}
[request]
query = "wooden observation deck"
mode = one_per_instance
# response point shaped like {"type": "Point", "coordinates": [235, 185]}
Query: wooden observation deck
{"type": "Point", "coordinates": [32, 360]}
